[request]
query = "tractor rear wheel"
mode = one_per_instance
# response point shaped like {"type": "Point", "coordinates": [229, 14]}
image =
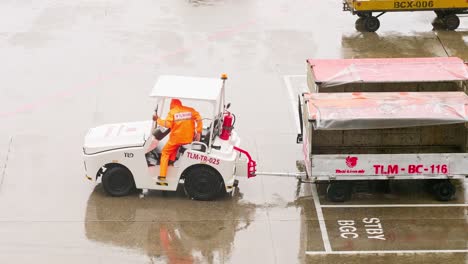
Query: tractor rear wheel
{"type": "Point", "coordinates": [203, 183]}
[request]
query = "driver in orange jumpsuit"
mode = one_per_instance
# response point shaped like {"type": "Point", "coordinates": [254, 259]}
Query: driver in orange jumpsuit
{"type": "Point", "coordinates": [181, 120]}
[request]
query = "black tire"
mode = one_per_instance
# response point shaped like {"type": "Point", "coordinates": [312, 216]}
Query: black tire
{"type": "Point", "coordinates": [371, 24]}
{"type": "Point", "coordinates": [339, 191]}
{"type": "Point", "coordinates": [359, 24]}
{"type": "Point", "coordinates": [451, 21]}
{"type": "Point", "coordinates": [203, 183]}
{"type": "Point", "coordinates": [444, 190]}
{"type": "Point", "coordinates": [118, 181]}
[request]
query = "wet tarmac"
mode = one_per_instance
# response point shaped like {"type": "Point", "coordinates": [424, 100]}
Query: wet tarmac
{"type": "Point", "coordinates": [71, 65]}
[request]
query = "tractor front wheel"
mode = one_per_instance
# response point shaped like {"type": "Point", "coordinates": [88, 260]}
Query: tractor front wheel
{"type": "Point", "coordinates": [118, 181]}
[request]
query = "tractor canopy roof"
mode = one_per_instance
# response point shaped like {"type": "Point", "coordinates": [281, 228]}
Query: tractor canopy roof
{"type": "Point", "coordinates": [192, 88]}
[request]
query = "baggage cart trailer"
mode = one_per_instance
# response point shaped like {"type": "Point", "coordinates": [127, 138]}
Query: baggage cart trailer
{"type": "Point", "coordinates": [387, 75]}
{"type": "Point", "coordinates": [446, 11]}
{"type": "Point", "coordinates": [349, 137]}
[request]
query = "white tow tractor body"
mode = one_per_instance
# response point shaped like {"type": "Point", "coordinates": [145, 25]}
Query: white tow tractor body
{"type": "Point", "coordinates": [117, 152]}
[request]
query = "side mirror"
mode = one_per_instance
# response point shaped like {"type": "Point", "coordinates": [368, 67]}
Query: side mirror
{"type": "Point", "coordinates": [228, 105]}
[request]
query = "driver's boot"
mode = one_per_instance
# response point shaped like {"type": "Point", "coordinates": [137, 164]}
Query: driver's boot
{"type": "Point", "coordinates": [162, 181]}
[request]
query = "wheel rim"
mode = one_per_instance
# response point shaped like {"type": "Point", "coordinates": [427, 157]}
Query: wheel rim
{"type": "Point", "coordinates": [119, 182]}
{"type": "Point", "coordinates": [338, 192]}
{"type": "Point", "coordinates": [452, 22]}
{"type": "Point", "coordinates": [372, 24]}
{"type": "Point", "coordinates": [203, 185]}
{"type": "Point", "coordinates": [445, 190]}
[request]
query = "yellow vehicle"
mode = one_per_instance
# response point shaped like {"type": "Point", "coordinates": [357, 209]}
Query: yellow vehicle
{"type": "Point", "coordinates": [446, 10]}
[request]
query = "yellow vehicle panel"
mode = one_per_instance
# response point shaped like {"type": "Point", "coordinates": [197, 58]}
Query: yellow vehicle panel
{"type": "Point", "coordinates": [401, 5]}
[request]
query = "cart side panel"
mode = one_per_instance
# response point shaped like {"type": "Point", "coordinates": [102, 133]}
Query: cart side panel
{"type": "Point", "coordinates": [431, 139]}
{"type": "Point", "coordinates": [402, 5]}
{"type": "Point", "coordinates": [390, 166]}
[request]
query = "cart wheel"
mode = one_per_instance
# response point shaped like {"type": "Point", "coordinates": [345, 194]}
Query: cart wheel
{"type": "Point", "coordinates": [359, 24]}
{"type": "Point", "coordinates": [339, 191]}
{"type": "Point", "coordinates": [118, 181]}
{"type": "Point", "coordinates": [371, 24]}
{"type": "Point", "coordinates": [203, 183]}
{"type": "Point", "coordinates": [451, 21]}
{"type": "Point", "coordinates": [444, 190]}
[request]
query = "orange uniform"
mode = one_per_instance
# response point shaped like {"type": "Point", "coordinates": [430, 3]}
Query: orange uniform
{"type": "Point", "coordinates": [181, 120]}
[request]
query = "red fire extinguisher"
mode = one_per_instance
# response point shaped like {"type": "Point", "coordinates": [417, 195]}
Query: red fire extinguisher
{"type": "Point", "coordinates": [227, 126]}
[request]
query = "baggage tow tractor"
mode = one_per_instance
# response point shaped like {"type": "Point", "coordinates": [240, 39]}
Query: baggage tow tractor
{"type": "Point", "coordinates": [350, 137]}
{"type": "Point", "coordinates": [446, 11]}
{"type": "Point", "coordinates": [117, 154]}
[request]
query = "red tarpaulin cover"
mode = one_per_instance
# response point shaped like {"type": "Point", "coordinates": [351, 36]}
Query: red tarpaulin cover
{"type": "Point", "coordinates": [342, 111]}
{"type": "Point", "coordinates": [330, 72]}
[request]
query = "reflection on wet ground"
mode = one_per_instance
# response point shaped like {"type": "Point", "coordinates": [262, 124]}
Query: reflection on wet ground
{"type": "Point", "coordinates": [167, 226]}
{"type": "Point", "coordinates": [71, 65]}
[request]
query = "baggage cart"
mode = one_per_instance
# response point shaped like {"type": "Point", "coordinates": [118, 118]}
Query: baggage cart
{"type": "Point", "coordinates": [369, 11]}
{"type": "Point", "coordinates": [350, 137]}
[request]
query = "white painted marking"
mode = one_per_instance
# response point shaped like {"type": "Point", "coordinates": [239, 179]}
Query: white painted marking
{"type": "Point", "coordinates": [389, 205]}
{"type": "Point", "coordinates": [292, 97]}
{"type": "Point", "coordinates": [377, 252]}
{"type": "Point", "coordinates": [321, 220]}
{"type": "Point", "coordinates": [294, 106]}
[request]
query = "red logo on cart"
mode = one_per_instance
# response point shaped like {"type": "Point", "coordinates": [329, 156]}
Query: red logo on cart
{"type": "Point", "coordinates": [351, 161]}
